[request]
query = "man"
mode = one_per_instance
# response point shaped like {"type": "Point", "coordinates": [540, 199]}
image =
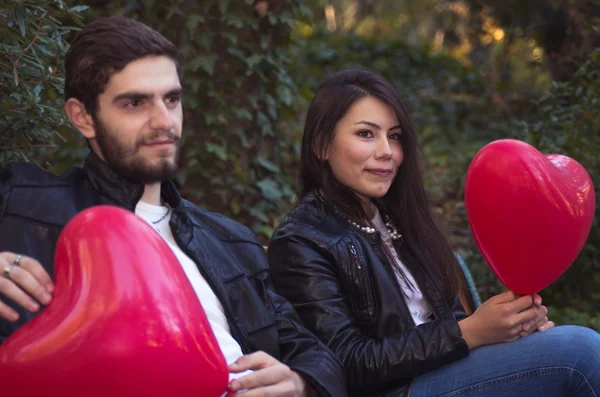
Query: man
{"type": "Point", "coordinates": [123, 94]}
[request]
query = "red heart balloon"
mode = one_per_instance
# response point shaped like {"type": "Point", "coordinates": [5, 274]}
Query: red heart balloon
{"type": "Point", "coordinates": [124, 320]}
{"type": "Point", "coordinates": [530, 214]}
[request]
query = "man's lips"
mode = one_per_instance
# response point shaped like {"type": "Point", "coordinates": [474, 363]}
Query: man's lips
{"type": "Point", "coordinates": [161, 143]}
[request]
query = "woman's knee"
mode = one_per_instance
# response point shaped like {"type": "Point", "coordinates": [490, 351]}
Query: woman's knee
{"type": "Point", "coordinates": [580, 344]}
{"type": "Point", "coordinates": [581, 337]}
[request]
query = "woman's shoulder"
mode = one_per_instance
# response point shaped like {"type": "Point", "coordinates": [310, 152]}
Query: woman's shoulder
{"type": "Point", "coordinates": [311, 219]}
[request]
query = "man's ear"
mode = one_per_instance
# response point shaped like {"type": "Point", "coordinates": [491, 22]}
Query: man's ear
{"type": "Point", "coordinates": [80, 118]}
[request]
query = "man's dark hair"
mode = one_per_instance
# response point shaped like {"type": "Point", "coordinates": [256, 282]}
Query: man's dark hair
{"type": "Point", "coordinates": [105, 47]}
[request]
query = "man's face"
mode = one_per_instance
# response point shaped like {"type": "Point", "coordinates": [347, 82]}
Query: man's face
{"type": "Point", "coordinates": [139, 120]}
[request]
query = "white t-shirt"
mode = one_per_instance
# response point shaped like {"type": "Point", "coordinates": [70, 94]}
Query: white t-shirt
{"type": "Point", "coordinates": [210, 303]}
{"type": "Point", "coordinates": [417, 305]}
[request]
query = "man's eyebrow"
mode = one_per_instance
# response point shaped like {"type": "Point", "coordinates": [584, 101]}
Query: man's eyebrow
{"type": "Point", "coordinates": [140, 96]}
{"type": "Point", "coordinates": [132, 96]}
{"type": "Point", "coordinates": [371, 124]}
{"type": "Point", "coordinates": [174, 91]}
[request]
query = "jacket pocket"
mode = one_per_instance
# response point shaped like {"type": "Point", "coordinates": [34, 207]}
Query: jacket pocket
{"type": "Point", "coordinates": [253, 311]}
{"type": "Point", "coordinates": [360, 285]}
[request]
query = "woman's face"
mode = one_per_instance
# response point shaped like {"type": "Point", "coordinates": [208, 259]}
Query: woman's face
{"type": "Point", "coordinates": [366, 151]}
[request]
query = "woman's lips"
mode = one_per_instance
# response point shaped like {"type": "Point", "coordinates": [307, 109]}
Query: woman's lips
{"type": "Point", "coordinates": [380, 172]}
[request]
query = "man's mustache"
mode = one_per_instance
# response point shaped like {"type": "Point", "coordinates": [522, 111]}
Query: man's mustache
{"type": "Point", "coordinates": [170, 136]}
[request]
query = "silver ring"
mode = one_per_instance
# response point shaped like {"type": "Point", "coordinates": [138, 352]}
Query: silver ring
{"type": "Point", "coordinates": [17, 260]}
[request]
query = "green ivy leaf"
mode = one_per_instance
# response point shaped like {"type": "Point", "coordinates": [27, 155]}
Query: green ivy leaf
{"type": "Point", "coordinates": [235, 21]}
{"type": "Point", "coordinates": [242, 113]}
{"type": "Point", "coordinates": [206, 63]}
{"type": "Point", "coordinates": [52, 95]}
{"type": "Point", "coordinates": [235, 205]}
{"type": "Point", "coordinates": [217, 150]}
{"type": "Point", "coordinates": [193, 21]}
{"type": "Point", "coordinates": [284, 94]}
{"type": "Point", "coordinates": [78, 8]}
{"type": "Point", "coordinates": [269, 189]}
{"type": "Point", "coordinates": [224, 6]}
{"type": "Point", "coordinates": [268, 165]}
{"type": "Point", "coordinates": [254, 60]}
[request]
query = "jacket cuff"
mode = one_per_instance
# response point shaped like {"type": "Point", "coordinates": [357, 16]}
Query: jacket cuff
{"type": "Point", "coordinates": [321, 373]}
{"type": "Point", "coordinates": [458, 346]}
{"type": "Point", "coordinates": [311, 382]}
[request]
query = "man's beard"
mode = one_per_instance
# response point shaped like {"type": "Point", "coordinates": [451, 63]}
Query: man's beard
{"type": "Point", "coordinates": [129, 163]}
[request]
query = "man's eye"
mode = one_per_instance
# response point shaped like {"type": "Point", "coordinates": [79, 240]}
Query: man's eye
{"type": "Point", "coordinates": [133, 104]}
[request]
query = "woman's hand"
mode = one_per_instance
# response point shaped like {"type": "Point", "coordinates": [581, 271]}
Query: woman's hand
{"type": "Point", "coordinates": [502, 318]}
{"type": "Point", "coordinates": [541, 323]}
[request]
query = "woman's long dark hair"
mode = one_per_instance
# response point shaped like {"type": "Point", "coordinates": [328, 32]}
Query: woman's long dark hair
{"type": "Point", "coordinates": [406, 203]}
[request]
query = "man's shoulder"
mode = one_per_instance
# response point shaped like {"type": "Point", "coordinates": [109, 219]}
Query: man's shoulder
{"type": "Point", "coordinates": [224, 227]}
{"type": "Point", "coordinates": [30, 175]}
{"type": "Point", "coordinates": [29, 192]}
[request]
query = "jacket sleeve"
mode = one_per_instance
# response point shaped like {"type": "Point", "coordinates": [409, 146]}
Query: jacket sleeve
{"type": "Point", "coordinates": [5, 175]}
{"type": "Point", "coordinates": [305, 273]}
{"type": "Point", "coordinates": [6, 237]}
{"type": "Point", "coordinates": [457, 309]}
{"type": "Point", "coordinates": [302, 351]}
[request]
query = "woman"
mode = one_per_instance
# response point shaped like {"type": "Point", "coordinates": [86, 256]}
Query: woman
{"type": "Point", "coordinates": [370, 272]}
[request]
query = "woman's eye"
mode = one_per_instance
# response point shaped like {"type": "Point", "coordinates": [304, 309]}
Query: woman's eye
{"type": "Point", "coordinates": [365, 134]}
{"type": "Point", "coordinates": [395, 137]}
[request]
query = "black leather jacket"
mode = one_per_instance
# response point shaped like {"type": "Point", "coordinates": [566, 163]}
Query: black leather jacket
{"type": "Point", "coordinates": [36, 205]}
{"type": "Point", "coordinates": [344, 288]}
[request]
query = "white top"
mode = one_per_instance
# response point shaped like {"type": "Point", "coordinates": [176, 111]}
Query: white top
{"type": "Point", "coordinates": [417, 305]}
{"type": "Point", "coordinates": [211, 305]}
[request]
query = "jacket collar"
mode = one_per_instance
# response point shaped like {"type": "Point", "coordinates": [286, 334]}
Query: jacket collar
{"type": "Point", "coordinates": [121, 190]}
{"type": "Point", "coordinates": [328, 211]}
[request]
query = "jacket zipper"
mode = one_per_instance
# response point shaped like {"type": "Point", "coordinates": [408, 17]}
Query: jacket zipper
{"type": "Point", "coordinates": [217, 292]}
{"type": "Point", "coordinates": [355, 256]}
{"type": "Point", "coordinates": [356, 275]}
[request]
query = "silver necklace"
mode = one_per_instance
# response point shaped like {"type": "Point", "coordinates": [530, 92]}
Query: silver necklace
{"type": "Point", "coordinates": [162, 218]}
{"type": "Point", "coordinates": [391, 229]}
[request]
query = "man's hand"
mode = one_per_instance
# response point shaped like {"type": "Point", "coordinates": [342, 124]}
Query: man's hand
{"type": "Point", "coordinates": [270, 378]}
{"type": "Point", "coordinates": [23, 280]}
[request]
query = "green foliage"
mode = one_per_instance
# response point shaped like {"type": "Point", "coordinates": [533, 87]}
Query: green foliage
{"type": "Point", "coordinates": [31, 82]}
{"type": "Point", "coordinates": [241, 101]}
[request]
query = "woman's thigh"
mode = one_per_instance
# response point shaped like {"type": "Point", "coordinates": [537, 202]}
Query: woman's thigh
{"type": "Point", "coordinates": [563, 361]}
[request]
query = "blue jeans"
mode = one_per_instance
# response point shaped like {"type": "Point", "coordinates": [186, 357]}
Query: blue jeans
{"type": "Point", "coordinates": [563, 361]}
